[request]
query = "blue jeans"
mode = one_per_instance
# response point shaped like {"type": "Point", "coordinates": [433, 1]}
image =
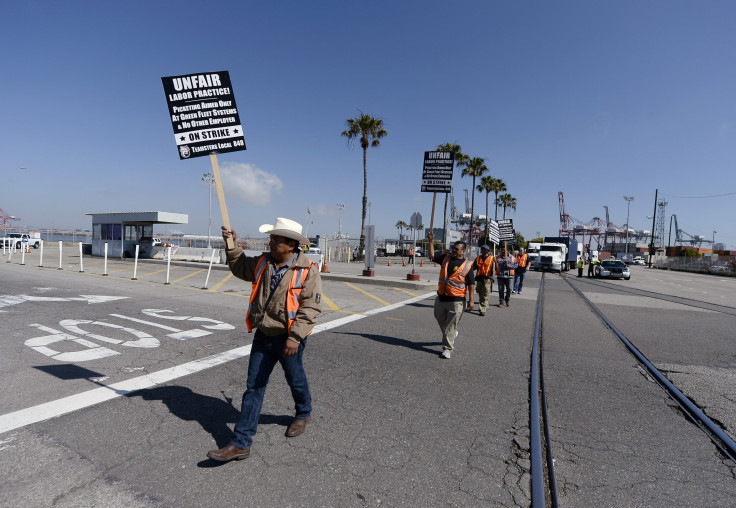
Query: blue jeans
{"type": "Point", "coordinates": [504, 289]}
{"type": "Point", "coordinates": [519, 281]}
{"type": "Point", "coordinates": [264, 354]}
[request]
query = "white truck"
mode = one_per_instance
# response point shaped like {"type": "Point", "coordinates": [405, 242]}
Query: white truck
{"type": "Point", "coordinates": [552, 256]}
{"type": "Point", "coordinates": [18, 239]}
{"type": "Point", "coordinates": [532, 251]}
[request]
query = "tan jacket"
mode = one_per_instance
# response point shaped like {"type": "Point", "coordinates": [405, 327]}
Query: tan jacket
{"type": "Point", "coordinates": [269, 315]}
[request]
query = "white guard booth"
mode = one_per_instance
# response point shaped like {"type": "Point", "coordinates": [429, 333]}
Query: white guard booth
{"type": "Point", "coordinates": [122, 231]}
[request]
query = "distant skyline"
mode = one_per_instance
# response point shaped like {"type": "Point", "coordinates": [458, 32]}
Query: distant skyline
{"type": "Point", "coordinates": [597, 100]}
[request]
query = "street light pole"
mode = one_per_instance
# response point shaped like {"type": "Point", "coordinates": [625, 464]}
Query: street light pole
{"type": "Point", "coordinates": [628, 199]}
{"type": "Point", "coordinates": [713, 245]}
{"type": "Point", "coordinates": [340, 208]}
{"type": "Point", "coordinates": [207, 177]}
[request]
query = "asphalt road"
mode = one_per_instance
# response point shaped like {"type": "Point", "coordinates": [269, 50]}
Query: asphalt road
{"type": "Point", "coordinates": [115, 389]}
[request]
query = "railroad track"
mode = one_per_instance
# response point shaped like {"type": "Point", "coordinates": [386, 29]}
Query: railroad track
{"type": "Point", "coordinates": [543, 481]}
{"type": "Point", "coordinates": [690, 302]}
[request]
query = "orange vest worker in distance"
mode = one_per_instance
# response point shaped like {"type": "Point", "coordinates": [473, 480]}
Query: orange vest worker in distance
{"type": "Point", "coordinates": [483, 266]}
{"type": "Point", "coordinates": [522, 260]}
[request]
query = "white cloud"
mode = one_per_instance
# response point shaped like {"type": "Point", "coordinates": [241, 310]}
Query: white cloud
{"type": "Point", "coordinates": [249, 184]}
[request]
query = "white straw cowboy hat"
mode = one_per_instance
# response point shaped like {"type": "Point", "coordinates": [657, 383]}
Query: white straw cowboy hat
{"type": "Point", "coordinates": [286, 228]}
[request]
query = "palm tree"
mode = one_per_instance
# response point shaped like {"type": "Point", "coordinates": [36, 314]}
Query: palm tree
{"type": "Point", "coordinates": [497, 186]}
{"type": "Point", "coordinates": [508, 201]}
{"type": "Point", "coordinates": [459, 157]}
{"type": "Point", "coordinates": [369, 131]}
{"type": "Point", "coordinates": [474, 167]}
{"type": "Point", "coordinates": [486, 185]}
{"type": "Point", "coordinates": [401, 225]}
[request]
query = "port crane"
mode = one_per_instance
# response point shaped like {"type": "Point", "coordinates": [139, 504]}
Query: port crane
{"type": "Point", "coordinates": [6, 221]}
{"type": "Point", "coordinates": [683, 237]}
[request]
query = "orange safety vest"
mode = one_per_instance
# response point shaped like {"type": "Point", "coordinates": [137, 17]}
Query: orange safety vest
{"type": "Point", "coordinates": [484, 267]}
{"type": "Point", "coordinates": [498, 268]}
{"type": "Point", "coordinates": [454, 285]}
{"type": "Point", "coordinates": [293, 297]}
{"type": "Point", "coordinates": [521, 260]}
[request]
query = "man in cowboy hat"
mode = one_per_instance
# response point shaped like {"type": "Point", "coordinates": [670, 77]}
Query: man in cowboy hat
{"type": "Point", "coordinates": [284, 305]}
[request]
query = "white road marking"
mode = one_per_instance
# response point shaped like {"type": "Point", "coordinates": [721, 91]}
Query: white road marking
{"type": "Point", "coordinates": [53, 409]}
{"type": "Point", "coordinates": [93, 351]}
{"type": "Point", "coordinates": [217, 325]}
{"type": "Point", "coordinates": [8, 300]}
{"type": "Point", "coordinates": [151, 323]}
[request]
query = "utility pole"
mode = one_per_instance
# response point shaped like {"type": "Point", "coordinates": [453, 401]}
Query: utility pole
{"type": "Point", "coordinates": [628, 199]}
{"type": "Point", "coordinates": [340, 208]}
{"type": "Point", "coordinates": [654, 218]}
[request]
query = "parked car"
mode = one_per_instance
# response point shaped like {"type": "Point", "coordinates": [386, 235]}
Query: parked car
{"type": "Point", "coordinates": [314, 249]}
{"type": "Point", "coordinates": [638, 260]}
{"type": "Point", "coordinates": [612, 268]}
{"type": "Point", "coordinates": [18, 239]}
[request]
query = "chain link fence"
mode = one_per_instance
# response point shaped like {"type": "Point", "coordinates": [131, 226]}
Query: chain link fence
{"type": "Point", "coordinates": [725, 266]}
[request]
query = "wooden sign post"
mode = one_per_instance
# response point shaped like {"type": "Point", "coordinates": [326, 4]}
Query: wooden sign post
{"type": "Point", "coordinates": [221, 198]}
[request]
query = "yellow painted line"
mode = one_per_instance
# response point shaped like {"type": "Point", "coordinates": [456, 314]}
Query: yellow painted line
{"type": "Point", "coordinates": [219, 284]}
{"type": "Point", "coordinates": [126, 269]}
{"type": "Point", "coordinates": [187, 276]}
{"type": "Point", "coordinates": [394, 319]}
{"type": "Point", "coordinates": [330, 303]}
{"type": "Point", "coordinates": [407, 292]}
{"type": "Point", "coordinates": [368, 294]}
{"type": "Point", "coordinates": [151, 273]}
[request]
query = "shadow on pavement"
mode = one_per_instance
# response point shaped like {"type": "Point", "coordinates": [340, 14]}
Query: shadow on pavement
{"type": "Point", "coordinates": [212, 413]}
{"type": "Point", "coordinates": [394, 341]}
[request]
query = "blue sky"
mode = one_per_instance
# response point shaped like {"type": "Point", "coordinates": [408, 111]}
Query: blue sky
{"type": "Point", "coordinates": [595, 99]}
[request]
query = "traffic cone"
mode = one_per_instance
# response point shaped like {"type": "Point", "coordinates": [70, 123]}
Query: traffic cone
{"type": "Point", "coordinates": [324, 267]}
{"type": "Point", "coordinates": [403, 264]}
{"type": "Point", "coordinates": [421, 262]}
{"type": "Point", "coordinates": [389, 262]}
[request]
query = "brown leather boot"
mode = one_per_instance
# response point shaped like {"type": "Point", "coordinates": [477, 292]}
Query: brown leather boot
{"type": "Point", "coordinates": [228, 453]}
{"type": "Point", "coordinates": [297, 427]}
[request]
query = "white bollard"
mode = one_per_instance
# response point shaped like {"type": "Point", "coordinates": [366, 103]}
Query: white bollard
{"type": "Point", "coordinates": [104, 274]}
{"type": "Point", "coordinates": [212, 259]}
{"type": "Point", "coordinates": [40, 259]}
{"type": "Point", "coordinates": [168, 263]}
{"type": "Point", "coordinates": [23, 255]}
{"type": "Point", "coordinates": [60, 267]}
{"type": "Point", "coordinates": [135, 264]}
{"type": "Point", "coordinates": [81, 259]}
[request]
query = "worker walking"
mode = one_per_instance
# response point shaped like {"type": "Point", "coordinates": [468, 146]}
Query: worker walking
{"type": "Point", "coordinates": [505, 265]}
{"type": "Point", "coordinates": [483, 266]}
{"type": "Point", "coordinates": [581, 264]}
{"type": "Point", "coordinates": [522, 260]}
{"type": "Point", "coordinates": [456, 282]}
